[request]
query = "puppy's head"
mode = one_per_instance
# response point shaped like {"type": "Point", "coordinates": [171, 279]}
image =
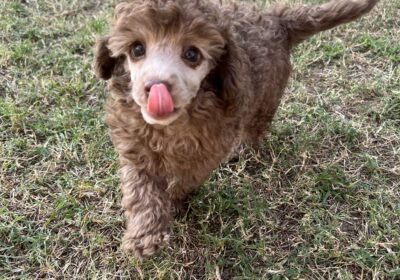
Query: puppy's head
{"type": "Point", "coordinates": [169, 48]}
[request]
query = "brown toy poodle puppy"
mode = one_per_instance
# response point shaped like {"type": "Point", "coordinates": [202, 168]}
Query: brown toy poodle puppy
{"type": "Point", "coordinates": [191, 80]}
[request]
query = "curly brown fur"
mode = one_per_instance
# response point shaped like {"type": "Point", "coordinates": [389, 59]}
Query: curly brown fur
{"type": "Point", "coordinates": [229, 98]}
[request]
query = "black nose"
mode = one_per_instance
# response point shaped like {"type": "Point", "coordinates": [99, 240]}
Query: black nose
{"type": "Point", "coordinates": [148, 84]}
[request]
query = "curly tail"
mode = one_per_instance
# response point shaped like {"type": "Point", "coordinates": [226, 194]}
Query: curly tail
{"type": "Point", "coordinates": [303, 22]}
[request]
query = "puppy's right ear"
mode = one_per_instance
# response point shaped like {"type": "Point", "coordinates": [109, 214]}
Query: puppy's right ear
{"type": "Point", "coordinates": [103, 63]}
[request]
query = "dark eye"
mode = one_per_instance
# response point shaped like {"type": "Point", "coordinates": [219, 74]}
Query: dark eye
{"type": "Point", "coordinates": [138, 49]}
{"type": "Point", "coordinates": [192, 55]}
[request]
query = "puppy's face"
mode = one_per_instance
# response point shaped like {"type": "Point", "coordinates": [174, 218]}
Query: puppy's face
{"type": "Point", "coordinates": [166, 74]}
{"type": "Point", "coordinates": [168, 52]}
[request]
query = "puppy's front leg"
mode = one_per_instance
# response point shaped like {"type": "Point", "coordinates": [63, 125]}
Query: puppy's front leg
{"type": "Point", "coordinates": [147, 209]}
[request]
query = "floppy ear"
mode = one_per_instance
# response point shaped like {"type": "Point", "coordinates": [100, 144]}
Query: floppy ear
{"type": "Point", "coordinates": [227, 74]}
{"type": "Point", "coordinates": [103, 64]}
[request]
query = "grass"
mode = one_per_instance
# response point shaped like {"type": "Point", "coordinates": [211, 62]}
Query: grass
{"type": "Point", "coordinates": [321, 200]}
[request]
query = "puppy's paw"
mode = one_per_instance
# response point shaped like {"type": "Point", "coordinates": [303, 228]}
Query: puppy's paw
{"type": "Point", "coordinates": [146, 245]}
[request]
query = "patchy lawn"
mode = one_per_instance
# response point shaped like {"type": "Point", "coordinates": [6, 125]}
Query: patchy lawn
{"type": "Point", "coordinates": [321, 200]}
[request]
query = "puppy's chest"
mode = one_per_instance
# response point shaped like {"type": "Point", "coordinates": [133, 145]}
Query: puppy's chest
{"type": "Point", "coordinates": [184, 147]}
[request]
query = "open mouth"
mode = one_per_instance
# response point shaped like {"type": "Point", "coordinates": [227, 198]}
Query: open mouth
{"type": "Point", "coordinates": [164, 119]}
{"type": "Point", "coordinates": [160, 103]}
{"type": "Point", "coordinates": [160, 107]}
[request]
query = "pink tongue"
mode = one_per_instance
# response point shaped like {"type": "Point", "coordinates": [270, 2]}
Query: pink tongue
{"type": "Point", "coordinates": [160, 101]}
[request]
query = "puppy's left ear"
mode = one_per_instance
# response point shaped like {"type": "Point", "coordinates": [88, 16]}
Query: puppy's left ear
{"type": "Point", "coordinates": [228, 73]}
{"type": "Point", "coordinates": [103, 63]}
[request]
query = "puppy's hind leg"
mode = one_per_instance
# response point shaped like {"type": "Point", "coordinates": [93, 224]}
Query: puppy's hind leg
{"type": "Point", "coordinates": [147, 209]}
